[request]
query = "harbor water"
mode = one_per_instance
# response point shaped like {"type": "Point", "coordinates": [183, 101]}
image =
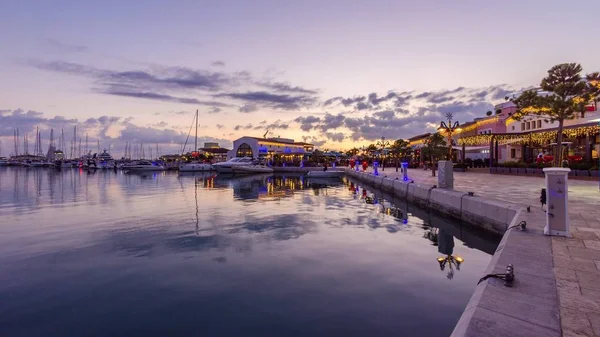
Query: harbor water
{"type": "Point", "coordinates": [164, 254]}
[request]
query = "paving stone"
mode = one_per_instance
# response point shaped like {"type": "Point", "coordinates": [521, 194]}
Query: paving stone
{"type": "Point", "coordinates": [568, 286]}
{"type": "Point", "coordinates": [574, 243]}
{"type": "Point", "coordinates": [575, 322]}
{"type": "Point", "coordinates": [573, 301]}
{"type": "Point", "coordinates": [576, 263]}
{"type": "Point", "coordinates": [566, 274]}
{"type": "Point", "coordinates": [592, 244]}
{"type": "Point", "coordinates": [591, 254]}
{"type": "Point", "coordinates": [589, 280]}
{"type": "Point", "coordinates": [595, 322]}
{"type": "Point", "coordinates": [485, 322]}
{"type": "Point", "coordinates": [591, 294]}
{"type": "Point", "coordinates": [585, 235]}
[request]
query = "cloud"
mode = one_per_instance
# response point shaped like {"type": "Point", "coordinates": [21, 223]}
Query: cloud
{"type": "Point", "coordinates": [166, 98]}
{"type": "Point", "coordinates": [64, 47]}
{"type": "Point", "coordinates": [307, 123]}
{"type": "Point", "coordinates": [174, 84]}
{"type": "Point", "coordinates": [275, 101]}
{"type": "Point", "coordinates": [220, 126]}
{"type": "Point", "coordinates": [243, 127]}
{"type": "Point", "coordinates": [113, 129]}
{"type": "Point", "coordinates": [161, 124]}
{"type": "Point", "coordinates": [218, 64]}
{"type": "Point", "coordinates": [336, 137]}
{"type": "Point", "coordinates": [314, 140]}
{"type": "Point", "coordinates": [247, 108]}
{"type": "Point", "coordinates": [278, 124]}
{"type": "Point", "coordinates": [331, 122]}
{"type": "Point", "coordinates": [284, 87]}
{"type": "Point", "coordinates": [173, 113]}
{"type": "Point", "coordinates": [214, 110]}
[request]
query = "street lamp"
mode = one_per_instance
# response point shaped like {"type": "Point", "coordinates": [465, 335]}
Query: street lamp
{"type": "Point", "coordinates": [449, 129]}
{"type": "Point", "coordinates": [383, 144]}
{"type": "Point", "coordinates": [450, 260]}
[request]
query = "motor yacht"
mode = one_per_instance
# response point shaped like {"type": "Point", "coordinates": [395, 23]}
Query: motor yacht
{"type": "Point", "coordinates": [143, 165]}
{"type": "Point", "coordinates": [227, 166]}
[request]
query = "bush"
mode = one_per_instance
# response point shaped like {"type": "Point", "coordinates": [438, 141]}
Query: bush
{"type": "Point", "coordinates": [478, 162]}
{"type": "Point", "coordinates": [460, 166]}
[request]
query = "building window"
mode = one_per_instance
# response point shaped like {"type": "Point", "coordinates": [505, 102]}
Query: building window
{"type": "Point", "coordinates": [539, 123]}
{"type": "Point", "coordinates": [528, 125]}
{"type": "Point", "coordinates": [522, 126]}
{"type": "Point", "coordinates": [244, 150]}
{"type": "Point", "coordinates": [513, 127]}
{"type": "Point", "coordinates": [513, 153]}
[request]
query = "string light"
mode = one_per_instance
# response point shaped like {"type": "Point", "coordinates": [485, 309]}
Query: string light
{"type": "Point", "coordinates": [539, 138]}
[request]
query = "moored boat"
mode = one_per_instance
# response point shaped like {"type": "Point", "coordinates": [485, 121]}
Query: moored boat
{"type": "Point", "coordinates": [195, 167]}
{"type": "Point", "coordinates": [249, 169]}
{"type": "Point", "coordinates": [143, 165]}
{"type": "Point", "coordinates": [227, 166]}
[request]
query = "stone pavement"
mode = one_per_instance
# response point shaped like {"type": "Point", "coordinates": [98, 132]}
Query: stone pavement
{"type": "Point", "coordinates": [576, 260]}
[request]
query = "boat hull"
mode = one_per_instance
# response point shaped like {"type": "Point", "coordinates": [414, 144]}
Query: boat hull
{"type": "Point", "coordinates": [196, 168]}
{"type": "Point", "coordinates": [145, 169]}
{"type": "Point", "coordinates": [252, 169]}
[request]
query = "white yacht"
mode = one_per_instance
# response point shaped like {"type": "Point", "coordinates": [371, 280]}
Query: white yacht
{"type": "Point", "coordinates": [250, 169]}
{"type": "Point", "coordinates": [143, 165]}
{"type": "Point", "coordinates": [227, 166]}
{"type": "Point", "coordinates": [195, 167]}
{"type": "Point", "coordinates": [105, 160]}
{"type": "Point", "coordinates": [3, 161]}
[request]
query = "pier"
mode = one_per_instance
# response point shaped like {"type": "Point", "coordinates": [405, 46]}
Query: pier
{"type": "Point", "coordinates": [556, 290]}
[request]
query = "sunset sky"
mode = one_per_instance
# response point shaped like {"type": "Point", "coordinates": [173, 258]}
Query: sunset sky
{"type": "Point", "coordinates": [335, 73]}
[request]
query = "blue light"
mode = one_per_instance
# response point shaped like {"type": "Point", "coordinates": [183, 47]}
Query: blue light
{"type": "Point", "coordinates": [405, 221]}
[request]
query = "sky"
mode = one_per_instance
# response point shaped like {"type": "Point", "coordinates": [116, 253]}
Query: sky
{"type": "Point", "coordinates": [338, 74]}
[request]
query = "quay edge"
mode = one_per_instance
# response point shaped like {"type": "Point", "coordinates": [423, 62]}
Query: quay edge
{"type": "Point", "coordinates": [530, 307]}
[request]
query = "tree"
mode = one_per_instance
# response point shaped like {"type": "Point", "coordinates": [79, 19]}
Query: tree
{"type": "Point", "coordinates": [435, 146]}
{"type": "Point", "coordinates": [489, 113]}
{"type": "Point", "coordinates": [400, 149]}
{"type": "Point", "coordinates": [371, 148]}
{"type": "Point", "coordinates": [352, 152]}
{"type": "Point", "coordinates": [564, 96]}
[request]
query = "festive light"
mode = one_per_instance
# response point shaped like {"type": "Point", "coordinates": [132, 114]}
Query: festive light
{"type": "Point", "coordinates": [477, 124]}
{"type": "Point", "coordinates": [539, 138]}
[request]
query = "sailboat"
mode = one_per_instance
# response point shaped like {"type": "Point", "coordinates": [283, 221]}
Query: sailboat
{"type": "Point", "coordinates": [195, 166]}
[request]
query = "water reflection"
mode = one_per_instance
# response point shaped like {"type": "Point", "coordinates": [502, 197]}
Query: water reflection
{"type": "Point", "coordinates": [234, 254]}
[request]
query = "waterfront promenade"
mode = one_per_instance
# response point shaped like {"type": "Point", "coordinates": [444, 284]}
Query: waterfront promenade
{"type": "Point", "coordinates": [554, 274]}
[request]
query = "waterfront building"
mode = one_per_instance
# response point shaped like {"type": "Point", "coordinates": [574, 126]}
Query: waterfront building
{"type": "Point", "coordinates": [267, 148]}
{"type": "Point", "coordinates": [215, 151]}
{"type": "Point", "coordinates": [502, 138]}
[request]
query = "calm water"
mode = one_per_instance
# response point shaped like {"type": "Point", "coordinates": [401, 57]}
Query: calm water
{"type": "Point", "coordinates": [112, 254]}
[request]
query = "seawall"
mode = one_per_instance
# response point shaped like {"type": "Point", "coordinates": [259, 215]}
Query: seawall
{"type": "Point", "coordinates": [530, 307]}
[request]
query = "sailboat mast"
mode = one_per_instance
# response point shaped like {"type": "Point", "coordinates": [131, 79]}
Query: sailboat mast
{"type": "Point", "coordinates": [196, 139]}
{"type": "Point", "coordinates": [86, 144]}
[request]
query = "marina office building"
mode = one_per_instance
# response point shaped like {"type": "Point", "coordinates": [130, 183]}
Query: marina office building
{"type": "Point", "coordinates": [266, 148]}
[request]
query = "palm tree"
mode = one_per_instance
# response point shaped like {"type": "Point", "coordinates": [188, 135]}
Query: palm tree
{"type": "Point", "coordinates": [371, 148]}
{"type": "Point", "coordinates": [565, 96]}
{"type": "Point", "coordinates": [435, 146]}
{"type": "Point", "coordinates": [400, 149]}
{"type": "Point", "coordinates": [352, 152]}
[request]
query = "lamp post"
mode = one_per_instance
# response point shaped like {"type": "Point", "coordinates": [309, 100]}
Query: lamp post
{"type": "Point", "coordinates": [449, 129]}
{"type": "Point", "coordinates": [383, 144]}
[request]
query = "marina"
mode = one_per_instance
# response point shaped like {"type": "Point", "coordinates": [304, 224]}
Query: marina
{"type": "Point", "coordinates": [269, 252]}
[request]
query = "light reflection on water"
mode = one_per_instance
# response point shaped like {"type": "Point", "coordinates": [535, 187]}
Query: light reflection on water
{"type": "Point", "coordinates": [160, 254]}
